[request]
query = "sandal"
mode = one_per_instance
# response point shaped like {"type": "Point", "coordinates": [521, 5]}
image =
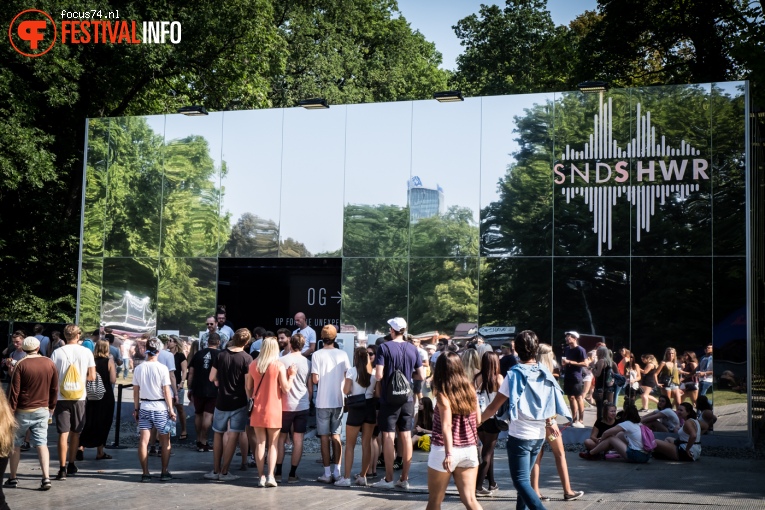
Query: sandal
{"type": "Point", "coordinates": [45, 484]}
{"type": "Point", "coordinates": [11, 483]}
{"type": "Point", "coordinates": [105, 456]}
{"type": "Point", "coordinates": [183, 437]}
{"type": "Point", "coordinates": [543, 498]}
{"type": "Point", "coordinates": [145, 478]}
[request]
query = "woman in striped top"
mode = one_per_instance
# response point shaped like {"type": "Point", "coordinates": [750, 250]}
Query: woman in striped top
{"type": "Point", "coordinates": [453, 445]}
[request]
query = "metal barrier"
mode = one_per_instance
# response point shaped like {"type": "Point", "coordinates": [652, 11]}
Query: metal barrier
{"type": "Point", "coordinates": [118, 419]}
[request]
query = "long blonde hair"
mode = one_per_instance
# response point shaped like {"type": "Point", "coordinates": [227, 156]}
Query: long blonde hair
{"type": "Point", "coordinates": [471, 363]}
{"type": "Point", "coordinates": [546, 356]}
{"type": "Point", "coordinates": [269, 352]}
{"type": "Point", "coordinates": [8, 427]}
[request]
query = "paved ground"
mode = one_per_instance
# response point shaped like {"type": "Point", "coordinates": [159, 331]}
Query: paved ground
{"type": "Point", "coordinates": [711, 482]}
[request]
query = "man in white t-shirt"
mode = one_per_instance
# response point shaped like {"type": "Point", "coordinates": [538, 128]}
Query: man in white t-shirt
{"type": "Point", "coordinates": [308, 333]}
{"type": "Point", "coordinates": [153, 401]}
{"type": "Point", "coordinates": [295, 406]}
{"type": "Point", "coordinates": [70, 410]}
{"type": "Point", "coordinates": [328, 368]}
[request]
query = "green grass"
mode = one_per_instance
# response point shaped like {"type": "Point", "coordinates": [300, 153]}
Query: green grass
{"type": "Point", "coordinates": [718, 397]}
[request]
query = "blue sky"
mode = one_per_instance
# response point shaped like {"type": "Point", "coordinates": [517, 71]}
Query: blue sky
{"type": "Point", "coordinates": [435, 18]}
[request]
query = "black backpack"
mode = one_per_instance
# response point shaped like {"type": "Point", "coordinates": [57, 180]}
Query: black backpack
{"type": "Point", "coordinates": [399, 390]}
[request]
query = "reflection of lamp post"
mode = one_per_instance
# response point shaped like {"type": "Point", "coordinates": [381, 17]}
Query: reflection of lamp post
{"type": "Point", "coordinates": [582, 285]}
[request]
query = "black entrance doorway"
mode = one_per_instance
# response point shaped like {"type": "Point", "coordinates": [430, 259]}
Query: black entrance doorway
{"type": "Point", "coordinates": [269, 292]}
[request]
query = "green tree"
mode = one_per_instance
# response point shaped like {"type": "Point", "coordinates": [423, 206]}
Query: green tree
{"type": "Point", "coordinates": [252, 236]}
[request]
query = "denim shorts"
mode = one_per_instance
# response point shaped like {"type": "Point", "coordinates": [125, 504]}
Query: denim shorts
{"type": "Point", "coordinates": [637, 456]}
{"type": "Point", "coordinates": [36, 422]}
{"type": "Point", "coordinates": [148, 420]}
{"type": "Point", "coordinates": [230, 421]}
{"type": "Point", "coordinates": [329, 421]}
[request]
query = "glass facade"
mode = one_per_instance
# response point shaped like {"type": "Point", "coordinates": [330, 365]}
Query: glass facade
{"type": "Point", "coordinates": [620, 215]}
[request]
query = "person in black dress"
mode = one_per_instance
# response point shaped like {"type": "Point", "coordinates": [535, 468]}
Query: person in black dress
{"type": "Point", "coordinates": [99, 414]}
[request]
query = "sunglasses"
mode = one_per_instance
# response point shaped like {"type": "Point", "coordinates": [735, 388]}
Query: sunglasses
{"type": "Point", "coordinates": [211, 324]}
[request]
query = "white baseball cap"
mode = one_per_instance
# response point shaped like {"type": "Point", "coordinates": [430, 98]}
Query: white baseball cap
{"type": "Point", "coordinates": [397, 323]}
{"type": "Point", "coordinates": [572, 333]}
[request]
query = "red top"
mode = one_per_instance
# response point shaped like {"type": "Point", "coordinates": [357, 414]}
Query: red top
{"type": "Point", "coordinates": [464, 430]}
{"type": "Point", "coordinates": [267, 400]}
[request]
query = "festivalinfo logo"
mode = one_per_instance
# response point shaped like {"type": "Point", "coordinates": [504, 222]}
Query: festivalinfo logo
{"type": "Point", "coordinates": [33, 32]}
{"type": "Point", "coordinates": [680, 168]}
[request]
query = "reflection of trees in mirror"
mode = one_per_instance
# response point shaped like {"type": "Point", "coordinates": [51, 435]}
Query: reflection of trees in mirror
{"type": "Point", "coordinates": [95, 187]}
{"type": "Point", "coordinates": [374, 290]}
{"type": "Point", "coordinates": [442, 293]}
{"type": "Point", "coordinates": [453, 234]}
{"type": "Point", "coordinates": [252, 236]}
{"type": "Point", "coordinates": [375, 230]}
{"type": "Point", "coordinates": [187, 289]}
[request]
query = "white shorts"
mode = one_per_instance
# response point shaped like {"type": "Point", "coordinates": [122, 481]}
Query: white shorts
{"type": "Point", "coordinates": [465, 457]}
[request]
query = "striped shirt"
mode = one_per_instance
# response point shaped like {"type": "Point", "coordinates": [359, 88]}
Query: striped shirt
{"type": "Point", "coordinates": [463, 430]}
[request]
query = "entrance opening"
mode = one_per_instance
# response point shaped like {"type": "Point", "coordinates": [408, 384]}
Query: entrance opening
{"type": "Point", "coordinates": [269, 292]}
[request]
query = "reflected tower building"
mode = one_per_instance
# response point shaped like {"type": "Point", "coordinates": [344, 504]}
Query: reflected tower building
{"type": "Point", "coordinates": [424, 201]}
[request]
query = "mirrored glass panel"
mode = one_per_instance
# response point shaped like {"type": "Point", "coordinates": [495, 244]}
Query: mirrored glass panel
{"type": "Point", "coordinates": [191, 186]}
{"type": "Point", "coordinates": [728, 157]}
{"type": "Point", "coordinates": [251, 184]}
{"type": "Point", "coordinates": [91, 278]}
{"type": "Point", "coordinates": [130, 295]}
{"type": "Point", "coordinates": [134, 187]}
{"type": "Point", "coordinates": [443, 293]}
{"type": "Point", "coordinates": [516, 175]}
{"type": "Point", "coordinates": [730, 345]}
{"type": "Point", "coordinates": [95, 188]}
{"type": "Point", "coordinates": [592, 297]}
{"type": "Point", "coordinates": [378, 156]}
{"type": "Point", "coordinates": [311, 220]}
{"type": "Point", "coordinates": [373, 291]}
{"type": "Point", "coordinates": [670, 171]}
{"type": "Point", "coordinates": [444, 186]}
{"type": "Point", "coordinates": [186, 293]}
{"type": "Point", "coordinates": [515, 292]}
{"type": "Point", "coordinates": [591, 173]}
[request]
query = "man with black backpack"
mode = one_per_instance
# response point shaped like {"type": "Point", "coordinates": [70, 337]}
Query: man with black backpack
{"type": "Point", "coordinates": [396, 361]}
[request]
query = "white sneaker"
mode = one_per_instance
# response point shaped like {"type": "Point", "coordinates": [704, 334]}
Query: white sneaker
{"type": "Point", "coordinates": [228, 477]}
{"type": "Point", "coordinates": [343, 482]}
{"type": "Point", "coordinates": [361, 480]}
{"type": "Point", "coordinates": [578, 425]}
{"type": "Point", "coordinates": [271, 481]}
{"type": "Point", "coordinates": [262, 481]}
{"type": "Point", "coordinates": [382, 484]}
{"type": "Point", "coordinates": [402, 484]}
{"type": "Point", "coordinates": [212, 475]}
{"type": "Point", "coordinates": [326, 479]}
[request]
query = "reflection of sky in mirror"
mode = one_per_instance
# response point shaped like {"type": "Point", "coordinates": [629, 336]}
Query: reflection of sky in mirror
{"type": "Point", "coordinates": [378, 153]}
{"type": "Point", "coordinates": [499, 138]}
{"type": "Point", "coordinates": [446, 149]}
{"type": "Point", "coordinates": [156, 123]}
{"type": "Point", "coordinates": [252, 150]}
{"type": "Point", "coordinates": [312, 176]}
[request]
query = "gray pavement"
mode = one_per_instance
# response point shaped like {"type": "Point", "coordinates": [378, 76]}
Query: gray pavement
{"type": "Point", "coordinates": [711, 482]}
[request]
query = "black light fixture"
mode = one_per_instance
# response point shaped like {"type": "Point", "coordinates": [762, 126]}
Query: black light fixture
{"type": "Point", "coordinates": [316, 103]}
{"type": "Point", "coordinates": [592, 86]}
{"type": "Point", "coordinates": [448, 96]}
{"type": "Point", "coordinates": [193, 111]}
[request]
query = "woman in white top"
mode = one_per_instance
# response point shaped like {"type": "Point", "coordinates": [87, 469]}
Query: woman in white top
{"type": "Point", "coordinates": [359, 380]}
{"type": "Point", "coordinates": [628, 445]}
{"type": "Point", "coordinates": [687, 446]}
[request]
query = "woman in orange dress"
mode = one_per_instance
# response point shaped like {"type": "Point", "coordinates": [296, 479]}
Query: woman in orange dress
{"type": "Point", "coordinates": [266, 380]}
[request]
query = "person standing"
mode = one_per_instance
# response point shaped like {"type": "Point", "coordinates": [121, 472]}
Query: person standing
{"type": "Point", "coordinates": [8, 427]}
{"type": "Point", "coordinates": [574, 360]}
{"type": "Point", "coordinates": [202, 391]}
{"type": "Point", "coordinates": [100, 413]}
{"type": "Point", "coordinates": [212, 327]}
{"type": "Point", "coordinates": [181, 368]}
{"type": "Point", "coordinates": [394, 357]}
{"type": "Point", "coordinates": [153, 401]}
{"type": "Point", "coordinates": [453, 449]}
{"type": "Point", "coordinates": [14, 353]}
{"type": "Point", "coordinates": [705, 373]}
{"type": "Point", "coordinates": [75, 364]}
{"type": "Point", "coordinates": [223, 327]}
{"type": "Point", "coordinates": [230, 417]}
{"type": "Point", "coordinates": [32, 395]}
{"type": "Point", "coordinates": [535, 402]}
{"type": "Point", "coordinates": [508, 359]}
{"type": "Point", "coordinates": [44, 340]}
{"type": "Point", "coordinates": [295, 405]}
{"type": "Point", "coordinates": [308, 333]}
{"type": "Point", "coordinates": [328, 368]}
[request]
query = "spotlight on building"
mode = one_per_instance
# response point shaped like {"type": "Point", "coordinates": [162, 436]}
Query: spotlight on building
{"type": "Point", "coordinates": [317, 103]}
{"type": "Point", "coordinates": [193, 111]}
{"type": "Point", "coordinates": [448, 96]}
{"type": "Point", "coordinates": [590, 87]}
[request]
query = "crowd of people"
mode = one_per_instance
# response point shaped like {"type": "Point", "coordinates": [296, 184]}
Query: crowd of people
{"type": "Point", "coordinates": [256, 391]}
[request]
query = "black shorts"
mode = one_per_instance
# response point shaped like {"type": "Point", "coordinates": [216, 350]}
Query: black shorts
{"type": "Point", "coordinates": [573, 387]}
{"type": "Point", "coordinates": [357, 416]}
{"type": "Point", "coordinates": [489, 427]}
{"type": "Point", "coordinates": [297, 418]}
{"type": "Point", "coordinates": [416, 387]}
{"type": "Point", "coordinates": [391, 417]}
{"type": "Point", "coordinates": [70, 416]}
